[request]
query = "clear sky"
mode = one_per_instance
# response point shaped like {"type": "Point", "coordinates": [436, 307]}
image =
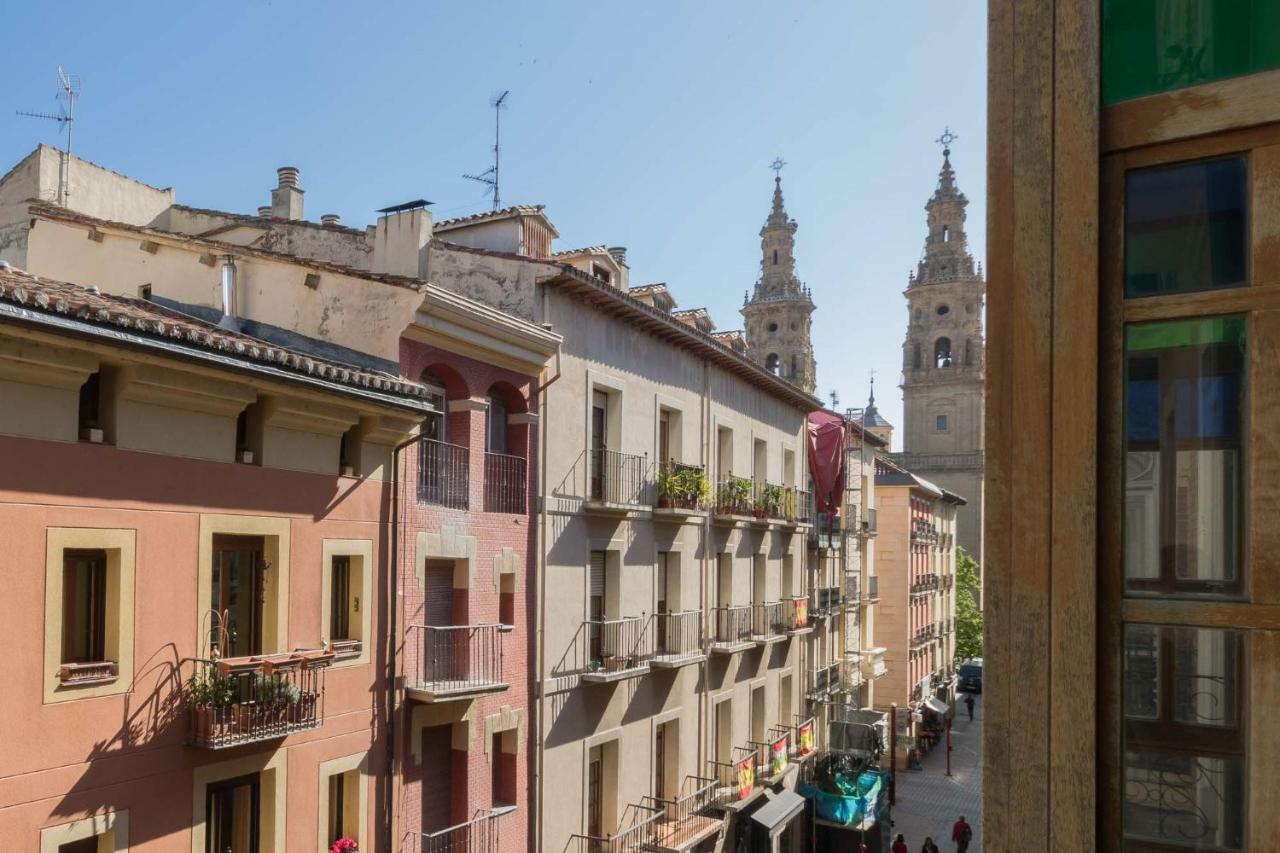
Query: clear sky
{"type": "Point", "coordinates": [644, 124]}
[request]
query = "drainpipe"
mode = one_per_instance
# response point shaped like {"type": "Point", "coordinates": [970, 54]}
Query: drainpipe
{"type": "Point", "coordinates": [707, 532]}
{"type": "Point", "coordinates": [539, 572]}
{"type": "Point", "coordinates": [393, 607]}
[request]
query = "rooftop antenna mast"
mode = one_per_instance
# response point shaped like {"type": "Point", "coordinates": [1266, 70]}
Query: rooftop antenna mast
{"type": "Point", "coordinates": [69, 91]}
{"type": "Point", "coordinates": [489, 177]}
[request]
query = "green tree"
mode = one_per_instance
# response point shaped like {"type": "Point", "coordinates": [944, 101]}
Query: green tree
{"type": "Point", "coordinates": [968, 616]}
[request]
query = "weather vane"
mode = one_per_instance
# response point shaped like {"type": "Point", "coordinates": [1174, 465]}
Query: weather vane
{"type": "Point", "coordinates": [777, 165]}
{"type": "Point", "coordinates": [946, 139]}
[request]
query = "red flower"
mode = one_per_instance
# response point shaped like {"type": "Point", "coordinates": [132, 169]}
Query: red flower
{"type": "Point", "coordinates": [345, 845]}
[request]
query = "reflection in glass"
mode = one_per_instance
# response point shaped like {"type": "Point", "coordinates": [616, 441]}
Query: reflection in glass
{"type": "Point", "coordinates": [1183, 737]}
{"type": "Point", "coordinates": [1185, 227]}
{"type": "Point", "coordinates": [1153, 46]}
{"type": "Point", "coordinates": [1190, 801]}
{"type": "Point", "coordinates": [1183, 397]}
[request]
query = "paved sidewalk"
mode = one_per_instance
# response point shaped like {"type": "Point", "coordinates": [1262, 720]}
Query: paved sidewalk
{"type": "Point", "coordinates": [929, 801]}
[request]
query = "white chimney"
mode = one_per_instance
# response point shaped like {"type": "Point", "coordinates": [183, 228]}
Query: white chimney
{"type": "Point", "coordinates": [401, 239]}
{"type": "Point", "coordinates": [286, 199]}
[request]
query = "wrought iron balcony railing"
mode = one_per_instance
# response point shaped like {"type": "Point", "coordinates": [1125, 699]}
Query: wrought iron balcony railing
{"type": "Point", "coordinates": [444, 474]}
{"type": "Point", "coordinates": [677, 638]}
{"type": "Point", "coordinates": [736, 779]}
{"type": "Point", "coordinates": [686, 819]}
{"type": "Point", "coordinates": [478, 835]}
{"type": "Point", "coordinates": [506, 486]}
{"type": "Point", "coordinates": [617, 648]}
{"type": "Point", "coordinates": [638, 833]}
{"type": "Point", "coordinates": [617, 479]}
{"type": "Point", "coordinates": [236, 701]}
{"type": "Point", "coordinates": [767, 621]}
{"type": "Point", "coordinates": [732, 627]}
{"type": "Point", "coordinates": [444, 661]}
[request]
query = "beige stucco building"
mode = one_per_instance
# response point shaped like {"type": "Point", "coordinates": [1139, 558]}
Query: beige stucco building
{"type": "Point", "coordinates": [943, 361]}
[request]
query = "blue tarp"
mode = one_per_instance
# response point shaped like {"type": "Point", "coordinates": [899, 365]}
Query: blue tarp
{"type": "Point", "coordinates": [858, 801]}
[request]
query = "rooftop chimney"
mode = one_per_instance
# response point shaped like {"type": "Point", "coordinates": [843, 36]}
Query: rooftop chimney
{"type": "Point", "coordinates": [229, 319]}
{"type": "Point", "coordinates": [286, 199]}
{"type": "Point", "coordinates": [331, 219]}
{"type": "Point", "coordinates": [619, 254]}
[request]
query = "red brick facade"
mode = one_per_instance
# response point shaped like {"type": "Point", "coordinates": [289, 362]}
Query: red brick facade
{"type": "Point", "coordinates": [437, 792]}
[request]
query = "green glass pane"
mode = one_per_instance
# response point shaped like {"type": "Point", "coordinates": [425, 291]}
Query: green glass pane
{"type": "Point", "coordinates": [1184, 333]}
{"type": "Point", "coordinates": [1151, 46]}
{"type": "Point", "coordinates": [1185, 227]}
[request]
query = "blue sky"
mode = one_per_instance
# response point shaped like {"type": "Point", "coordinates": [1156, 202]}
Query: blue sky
{"type": "Point", "coordinates": [649, 125]}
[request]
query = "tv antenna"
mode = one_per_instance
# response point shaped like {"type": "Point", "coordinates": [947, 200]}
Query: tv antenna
{"type": "Point", "coordinates": [489, 177]}
{"type": "Point", "coordinates": [69, 91]}
{"type": "Point", "coordinates": [835, 399]}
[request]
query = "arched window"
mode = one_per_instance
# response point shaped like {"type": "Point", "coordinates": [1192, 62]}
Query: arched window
{"type": "Point", "coordinates": [775, 257]}
{"type": "Point", "coordinates": [772, 363]}
{"type": "Point", "coordinates": [942, 352]}
{"type": "Point", "coordinates": [946, 234]}
{"type": "Point", "coordinates": [915, 356]}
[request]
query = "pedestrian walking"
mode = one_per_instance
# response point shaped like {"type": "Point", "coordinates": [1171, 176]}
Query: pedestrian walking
{"type": "Point", "coordinates": [900, 844]}
{"type": "Point", "coordinates": [961, 834]}
{"type": "Point", "coordinates": [968, 703]}
{"type": "Point", "coordinates": [929, 846]}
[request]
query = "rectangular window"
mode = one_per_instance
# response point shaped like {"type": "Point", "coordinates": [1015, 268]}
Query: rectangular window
{"type": "Point", "coordinates": [496, 425]}
{"type": "Point", "coordinates": [340, 603]}
{"type": "Point", "coordinates": [1184, 385]}
{"type": "Point", "coordinates": [503, 768]}
{"type": "Point", "coordinates": [232, 815]}
{"type": "Point", "coordinates": [84, 606]}
{"type": "Point", "coordinates": [238, 591]}
{"type": "Point", "coordinates": [338, 796]}
{"type": "Point", "coordinates": [84, 845]}
{"type": "Point", "coordinates": [595, 793]}
{"type": "Point", "coordinates": [664, 436]}
{"type": "Point", "coordinates": [1184, 737]}
{"type": "Point", "coordinates": [1151, 46]}
{"type": "Point", "coordinates": [90, 415]}
{"type": "Point", "coordinates": [1186, 227]}
{"type": "Point", "coordinates": [942, 423]}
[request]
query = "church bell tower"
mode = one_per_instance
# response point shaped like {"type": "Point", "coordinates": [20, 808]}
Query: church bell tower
{"type": "Point", "coordinates": [778, 313]}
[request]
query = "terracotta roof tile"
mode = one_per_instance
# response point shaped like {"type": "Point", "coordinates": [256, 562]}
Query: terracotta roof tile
{"type": "Point", "coordinates": [504, 213]}
{"type": "Point", "coordinates": [140, 317]}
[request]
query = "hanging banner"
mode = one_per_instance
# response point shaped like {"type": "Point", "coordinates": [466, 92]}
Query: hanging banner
{"type": "Point", "coordinates": [802, 612]}
{"type": "Point", "coordinates": [746, 776]}
{"type": "Point", "coordinates": [778, 755]}
{"type": "Point", "coordinates": [804, 738]}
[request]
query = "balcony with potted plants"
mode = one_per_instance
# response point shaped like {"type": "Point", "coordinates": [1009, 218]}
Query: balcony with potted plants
{"type": "Point", "coordinates": [735, 501]}
{"type": "Point", "coordinates": [683, 492]}
{"type": "Point", "coordinates": [453, 662]}
{"type": "Point", "coordinates": [233, 701]}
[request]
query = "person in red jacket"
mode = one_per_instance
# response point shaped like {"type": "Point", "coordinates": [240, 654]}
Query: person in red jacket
{"type": "Point", "coordinates": [961, 834]}
{"type": "Point", "coordinates": [900, 844]}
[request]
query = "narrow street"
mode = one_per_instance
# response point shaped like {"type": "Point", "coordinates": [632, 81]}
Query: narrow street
{"type": "Point", "coordinates": [929, 801]}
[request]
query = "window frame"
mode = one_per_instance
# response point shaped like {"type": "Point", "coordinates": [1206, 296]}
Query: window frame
{"type": "Point", "coordinates": [359, 554]}
{"type": "Point", "coordinates": [119, 547]}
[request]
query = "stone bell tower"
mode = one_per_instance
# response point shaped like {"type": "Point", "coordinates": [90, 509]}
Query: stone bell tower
{"type": "Point", "coordinates": [778, 313]}
{"type": "Point", "coordinates": [943, 358]}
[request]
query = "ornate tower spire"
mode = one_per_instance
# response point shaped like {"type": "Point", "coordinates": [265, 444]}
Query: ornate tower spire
{"type": "Point", "coordinates": [777, 314]}
{"type": "Point", "coordinates": [946, 248]}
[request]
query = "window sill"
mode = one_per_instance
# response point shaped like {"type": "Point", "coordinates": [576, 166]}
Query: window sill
{"type": "Point", "coordinates": [344, 650]}
{"type": "Point", "coordinates": [88, 674]}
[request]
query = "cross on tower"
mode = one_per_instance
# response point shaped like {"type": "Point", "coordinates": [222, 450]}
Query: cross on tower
{"type": "Point", "coordinates": [945, 140]}
{"type": "Point", "coordinates": [777, 165]}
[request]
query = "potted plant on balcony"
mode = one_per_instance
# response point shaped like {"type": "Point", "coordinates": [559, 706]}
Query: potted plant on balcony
{"type": "Point", "coordinates": [693, 487]}
{"type": "Point", "coordinates": [209, 695]}
{"type": "Point", "coordinates": [276, 697]}
{"type": "Point", "coordinates": [667, 485]}
{"type": "Point", "coordinates": [735, 495]}
{"type": "Point", "coordinates": [771, 501]}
